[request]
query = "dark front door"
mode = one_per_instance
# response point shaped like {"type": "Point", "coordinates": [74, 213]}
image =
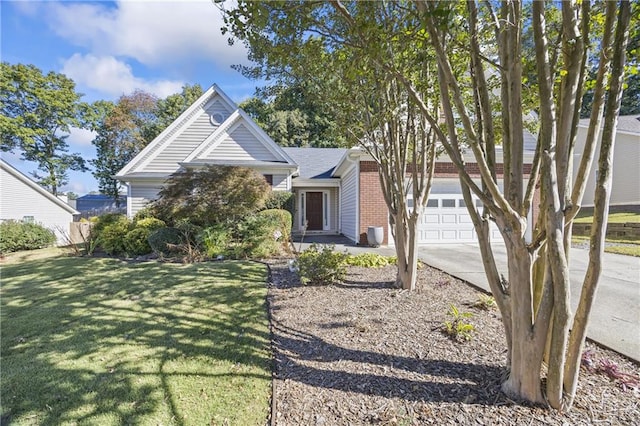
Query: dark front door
{"type": "Point", "coordinates": [313, 211]}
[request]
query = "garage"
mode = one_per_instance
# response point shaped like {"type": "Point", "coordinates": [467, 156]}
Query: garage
{"type": "Point", "coordinates": [446, 220]}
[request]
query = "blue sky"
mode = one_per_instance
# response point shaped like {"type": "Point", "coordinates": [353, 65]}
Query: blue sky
{"type": "Point", "coordinates": [110, 48]}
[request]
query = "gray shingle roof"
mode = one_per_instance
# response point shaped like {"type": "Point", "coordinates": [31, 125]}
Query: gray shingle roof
{"type": "Point", "coordinates": [629, 123]}
{"type": "Point", "coordinates": [626, 123]}
{"type": "Point", "coordinates": [315, 163]}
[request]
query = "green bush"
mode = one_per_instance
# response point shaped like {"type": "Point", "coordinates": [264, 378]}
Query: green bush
{"type": "Point", "coordinates": [135, 241]}
{"type": "Point", "coordinates": [281, 221]}
{"type": "Point", "coordinates": [370, 260]}
{"type": "Point", "coordinates": [165, 241]}
{"type": "Point", "coordinates": [253, 238]}
{"type": "Point", "coordinates": [321, 265]}
{"type": "Point", "coordinates": [150, 223]}
{"type": "Point", "coordinates": [216, 240]}
{"type": "Point", "coordinates": [111, 236]}
{"type": "Point", "coordinates": [281, 200]}
{"type": "Point", "coordinates": [16, 236]}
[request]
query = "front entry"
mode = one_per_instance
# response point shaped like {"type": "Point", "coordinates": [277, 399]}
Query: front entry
{"type": "Point", "coordinates": [313, 211]}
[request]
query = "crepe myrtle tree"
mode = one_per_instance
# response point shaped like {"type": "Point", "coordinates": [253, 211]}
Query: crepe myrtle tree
{"type": "Point", "coordinates": [477, 49]}
{"type": "Point", "coordinates": [534, 300]}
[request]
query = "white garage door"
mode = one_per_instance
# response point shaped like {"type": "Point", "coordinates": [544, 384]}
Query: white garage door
{"type": "Point", "coordinates": [446, 220]}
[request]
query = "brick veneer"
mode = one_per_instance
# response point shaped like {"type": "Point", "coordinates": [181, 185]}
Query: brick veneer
{"type": "Point", "coordinates": [373, 209]}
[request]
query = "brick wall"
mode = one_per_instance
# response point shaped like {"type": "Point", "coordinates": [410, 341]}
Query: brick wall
{"type": "Point", "coordinates": [373, 209]}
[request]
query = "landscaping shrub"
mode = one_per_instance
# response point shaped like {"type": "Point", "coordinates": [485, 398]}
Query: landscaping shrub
{"type": "Point", "coordinates": [16, 236]}
{"type": "Point", "coordinates": [215, 194]}
{"type": "Point", "coordinates": [370, 260]}
{"type": "Point", "coordinates": [135, 241]}
{"type": "Point", "coordinates": [281, 200]}
{"type": "Point", "coordinates": [254, 238]}
{"type": "Point", "coordinates": [321, 265]}
{"type": "Point", "coordinates": [281, 221]}
{"type": "Point", "coordinates": [216, 240]}
{"type": "Point", "coordinates": [111, 236]}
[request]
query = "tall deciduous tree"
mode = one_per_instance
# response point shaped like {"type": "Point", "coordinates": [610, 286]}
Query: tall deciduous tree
{"type": "Point", "coordinates": [38, 112]}
{"type": "Point", "coordinates": [126, 127]}
{"type": "Point", "coordinates": [471, 43]}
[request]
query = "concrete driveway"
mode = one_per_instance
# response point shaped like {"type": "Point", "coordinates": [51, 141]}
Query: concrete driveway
{"type": "Point", "coordinates": [615, 317]}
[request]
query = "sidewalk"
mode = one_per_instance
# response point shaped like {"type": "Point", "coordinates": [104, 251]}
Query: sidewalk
{"type": "Point", "coordinates": [615, 317]}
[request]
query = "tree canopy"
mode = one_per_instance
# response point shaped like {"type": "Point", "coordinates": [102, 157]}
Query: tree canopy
{"type": "Point", "coordinates": [125, 127]}
{"type": "Point", "coordinates": [38, 112]}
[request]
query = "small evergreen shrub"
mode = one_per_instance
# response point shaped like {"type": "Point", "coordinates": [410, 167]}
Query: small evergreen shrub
{"type": "Point", "coordinates": [135, 241]}
{"type": "Point", "coordinates": [16, 236]}
{"type": "Point", "coordinates": [321, 265]}
{"type": "Point", "coordinates": [281, 221]}
{"type": "Point", "coordinates": [111, 237]}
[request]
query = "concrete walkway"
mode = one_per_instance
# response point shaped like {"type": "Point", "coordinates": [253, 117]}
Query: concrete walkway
{"type": "Point", "coordinates": [615, 317]}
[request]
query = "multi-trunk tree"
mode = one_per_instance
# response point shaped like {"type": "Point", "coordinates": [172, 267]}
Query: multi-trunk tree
{"type": "Point", "coordinates": [486, 84]}
{"type": "Point", "coordinates": [38, 112]}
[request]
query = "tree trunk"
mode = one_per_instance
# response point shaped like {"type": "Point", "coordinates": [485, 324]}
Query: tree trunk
{"type": "Point", "coordinates": [526, 348]}
{"type": "Point", "coordinates": [407, 254]}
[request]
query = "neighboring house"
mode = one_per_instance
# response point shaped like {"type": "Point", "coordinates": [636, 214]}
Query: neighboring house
{"type": "Point", "coordinates": [23, 199]}
{"type": "Point", "coordinates": [99, 203]}
{"type": "Point", "coordinates": [625, 188]}
{"type": "Point", "coordinates": [337, 191]}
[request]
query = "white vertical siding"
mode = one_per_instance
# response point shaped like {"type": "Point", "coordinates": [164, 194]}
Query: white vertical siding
{"type": "Point", "coordinates": [140, 195]}
{"type": "Point", "coordinates": [240, 144]}
{"type": "Point", "coordinates": [19, 199]}
{"type": "Point", "coordinates": [349, 203]}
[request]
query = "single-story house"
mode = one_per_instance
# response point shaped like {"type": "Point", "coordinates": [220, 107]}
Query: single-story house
{"type": "Point", "coordinates": [337, 191]}
{"type": "Point", "coordinates": [625, 188]}
{"type": "Point", "coordinates": [24, 200]}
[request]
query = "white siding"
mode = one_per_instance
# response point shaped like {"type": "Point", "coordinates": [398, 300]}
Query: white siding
{"type": "Point", "coordinates": [349, 202]}
{"type": "Point", "coordinates": [240, 144]}
{"type": "Point", "coordinates": [280, 182]}
{"type": "Point", "coordinates": [625, 189]}
{"type": "Point", "coordinates": [176, 147]}
{"type": "Point", "coordinates": [18, 200]}
{"type": "Point", "coordinates": [180, 148]}
{"type": "Point", "coordinates": [140, 195]}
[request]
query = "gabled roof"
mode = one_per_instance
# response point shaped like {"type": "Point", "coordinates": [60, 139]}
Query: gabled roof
{"type": "Point", "coordinates": [203, 153]}
{"type": "Point", "coordinates": [27, 181]}
{"type": "Point", "coordinates": [194, 136]}
{"type": "Point", "coordinates": [316, 163]}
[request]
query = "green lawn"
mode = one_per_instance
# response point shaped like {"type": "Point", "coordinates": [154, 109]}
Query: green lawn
{"type": "Point", "coordinates": [626, 217]}
{"type": "Point", "coordinates": [106, 342]}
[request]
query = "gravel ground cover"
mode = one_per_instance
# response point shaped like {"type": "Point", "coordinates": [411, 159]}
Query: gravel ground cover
{"type": "Point", "coordinates": [364, 352]}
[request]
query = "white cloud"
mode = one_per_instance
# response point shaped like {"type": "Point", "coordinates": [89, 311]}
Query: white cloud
{"type": "Point", "coordinates": [80, 137]}
{"type": "Point", "coordinates": [151, 32]}
{"type": "Point", "coordinates": [114, 77]}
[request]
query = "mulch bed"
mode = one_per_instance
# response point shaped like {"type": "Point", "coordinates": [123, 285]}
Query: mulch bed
{"type": "Point", "coordinates": [364, 352]}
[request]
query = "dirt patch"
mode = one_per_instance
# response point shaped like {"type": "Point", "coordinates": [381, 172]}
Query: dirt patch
{"type": "Point", "coordinates": [366, 353]}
